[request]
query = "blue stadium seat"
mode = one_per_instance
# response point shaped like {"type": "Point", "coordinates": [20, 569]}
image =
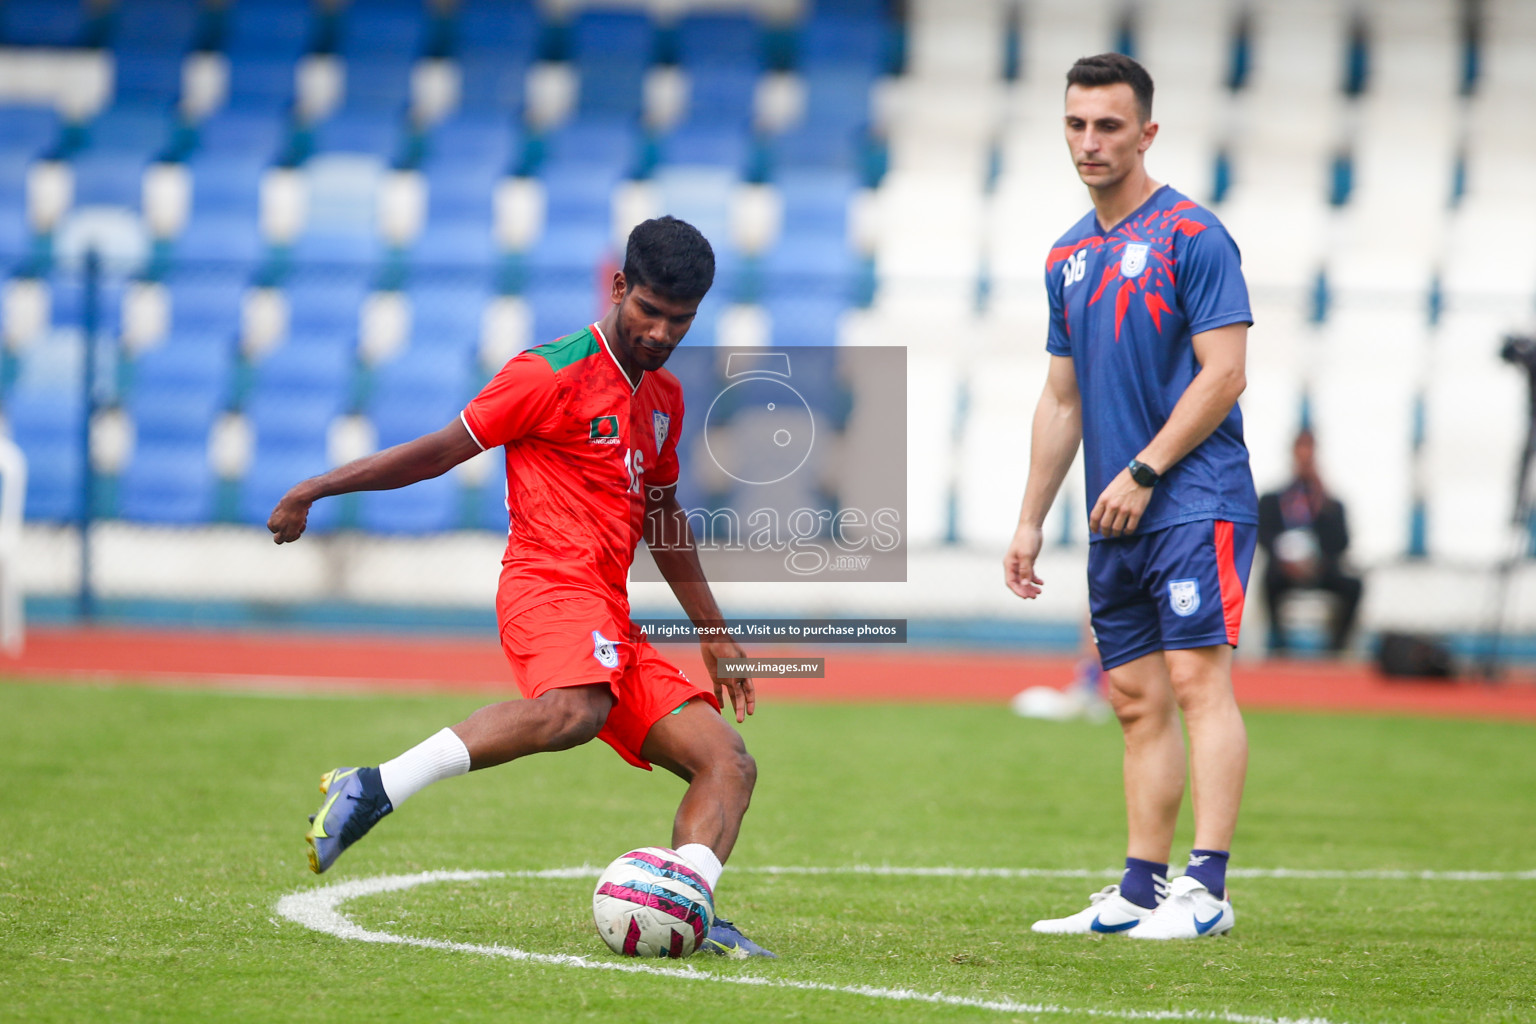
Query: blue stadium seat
{"type": "Point", "coordinates": [53, 479]}
{"type": "Point", "coordinates": [731, 40]}
{"type": "Point", "coordinates": [834, 40]}
{"type": "Point", "coordinates": [335, 246]}
{"type": "Point", "coordinates": [206, 302]}
{"type": "Point", "coordinates": [260, 81]}
{"type": "Point", "coordinates": [478, 141]}
{"type": "Point", "coordinates": [173, 414]}
{"type": "Point", "coordinates": [352, 131]}
{"type": "Point", "coordinates": [284, 420]}
{"type": "Point", "coordinates": [815, 146]}
{"type": "Point", "coordinates": [379, 29]}
{"type": "Point", "coordinates": [69, 304]}
{"type": "Point", "coordinates": [722, 95]}
{"type": "Point", "coordinates": [455, 243]}
{"type": "Point", "coordinates": [191, 362]}
{"type": "Point", "coordinates": [147, 77]}
{"type": "Point", "coordinates": [109, 178]}
{"type": "Point", "coordinates": [569, 255]}
{"type": "Point", "coordinates": [496, 27]}
{"type": "Point", "coordinates": [228, 238]}
{"type": "Point", "coordinates": [816, 200]}
{"type": "Point", "coordinates": [607, 142]}
{"type": "Point", "coordinates": [809, 265]}
{"type": "Point", "coordinates": [701, 143]}
{"type": "Point", "coordinates": [41, 23]}
{"type": "Point", "coordinates": [804, 319]}
{"type": "Point", "coordinates": [308, 369]}
{"type": "Point", "coordinates": [562, 309]}
{"type": "Point", "coordinates": [154, 26]}
{"type": "Point", "coordinates": [578, 195]}
{"type": "Point", "coordinates": [493, 82]}
{"type": "Point", "coordinates": [447, 317]}
{"type": "Point", "coordinates": [417, 393]}
{"type": "Point", "coordinates": [242, 134]}
{"type": "Point", "coordinates": [611, 89]}
{"type": "Point", "coordinates": [46, 424]}
{"type": "Point", "coordinates": [457, 192]}
{"type": "Point", "coordinates": [613, 37]}
{"type": "Point", "coordinates": [430, 506]}
{"type": "Point", "coordinates": [272, 28]}
{"type": "Point", "coordinates": [492, 503]}
{"type": "Point", "coordinates": [27, 131]}
{"type": "Point", "coordinates": [380, 83]}
{"type": "Point", "coordinates": [327, 303]}
{"type": "Point", "coordinates": [167, 482]}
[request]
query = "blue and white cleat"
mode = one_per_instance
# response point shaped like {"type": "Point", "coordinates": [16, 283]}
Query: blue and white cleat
{"type": "Point", "coordinates": [724, 939]}
{"type": "Point", "coordinates": [1107, 913]}
{"type": "Point", "coordinates": [354, 803]}
{"type": "Point", "coordinates": [1189, 912]}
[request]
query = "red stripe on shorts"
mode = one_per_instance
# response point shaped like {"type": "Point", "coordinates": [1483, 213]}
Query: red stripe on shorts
{"type": "Point", "coordinates": [1231, 587]}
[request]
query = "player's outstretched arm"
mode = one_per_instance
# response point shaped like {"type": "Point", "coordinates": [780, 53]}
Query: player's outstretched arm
{"type": "Point", "coordinates": [1057, 431]}
{"type": "Point", "coordinates": [428, 456]}
{"type": "Point", "coordinates": [1222, 353]}
{"type": "Point", "coordinates": [670, 539]}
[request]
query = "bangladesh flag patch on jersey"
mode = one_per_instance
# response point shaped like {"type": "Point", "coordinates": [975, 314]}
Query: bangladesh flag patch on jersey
{"type": "Point", "coordinates": [605, 430]}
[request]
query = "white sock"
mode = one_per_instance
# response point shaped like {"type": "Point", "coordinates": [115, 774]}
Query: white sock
{"type": "Point", "coordinates": [439, 756]}
{"type": "Point", "coordinates": [703, 858]}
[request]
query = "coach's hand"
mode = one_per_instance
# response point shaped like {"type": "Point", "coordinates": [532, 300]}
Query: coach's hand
{"type": "Point", "coordinates": [288, 520]}
{"type": "Point", "coordinates": [1118, 510]}
{"type": "Point", "coordinates": [1019, 562]}
{"type": "Point", "coordinates": [743, 698]}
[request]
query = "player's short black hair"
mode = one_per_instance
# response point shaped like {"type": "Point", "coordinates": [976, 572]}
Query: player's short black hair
{"type": "Point", "coordinates": [1112, 69]}
{"type": "Point", "coordinates": [670, 257]}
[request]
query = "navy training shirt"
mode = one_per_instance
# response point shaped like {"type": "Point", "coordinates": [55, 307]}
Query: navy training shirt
{"type": "Point", "coordinates": [1125, 305]}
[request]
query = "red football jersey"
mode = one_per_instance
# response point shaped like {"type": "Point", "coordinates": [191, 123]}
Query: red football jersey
{"type": "Point", "coordinates": [582, 442]}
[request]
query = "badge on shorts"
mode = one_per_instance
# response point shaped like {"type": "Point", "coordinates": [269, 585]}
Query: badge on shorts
{"type": "Point", "coordinates": [660, 421]}
{"type": "Point", "coordinates": [1134, 260]}
{"type": "Point", "coordinates": [604, 651]}
{"type": "Point", "coordinates": [1183, 596]}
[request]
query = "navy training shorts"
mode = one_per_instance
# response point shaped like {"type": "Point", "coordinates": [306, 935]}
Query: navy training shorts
{"type": "Point", "coordinates": [1173, 589]}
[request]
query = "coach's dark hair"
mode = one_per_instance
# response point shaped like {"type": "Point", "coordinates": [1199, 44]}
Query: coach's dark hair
{"type": "Point", "coordinates": [1112, 69]}
{"type": "Point", "coordinates": [670, 257]}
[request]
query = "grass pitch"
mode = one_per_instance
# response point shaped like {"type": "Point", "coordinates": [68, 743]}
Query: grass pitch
{"type": "Point", "coordinates": [146, 837]}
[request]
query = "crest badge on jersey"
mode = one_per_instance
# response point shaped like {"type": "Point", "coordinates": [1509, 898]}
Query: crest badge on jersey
{"type": "Point", "coordinates": [604, 651]}
{"type": "Point", "coordinates": [1184, 596]}
{"type": "Point", "coordinates": [660, 421]}
{"type": "Point", "coordinates": [1134, 260]}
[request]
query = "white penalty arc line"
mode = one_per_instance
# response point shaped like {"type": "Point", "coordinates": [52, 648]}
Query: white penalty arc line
{"type": "Point", "coordinates": [319, 910]}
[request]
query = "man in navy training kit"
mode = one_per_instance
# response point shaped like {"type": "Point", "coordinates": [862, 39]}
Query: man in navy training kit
{"type": "Point", "coordinates": [1148, 336]}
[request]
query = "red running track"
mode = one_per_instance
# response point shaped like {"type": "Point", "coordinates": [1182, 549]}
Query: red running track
{"type": "Point", "coordinates": [378, 664]}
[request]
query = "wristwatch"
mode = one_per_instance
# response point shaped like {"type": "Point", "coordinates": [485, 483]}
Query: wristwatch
{"type": "Point", "coordinates": [1142, 473]}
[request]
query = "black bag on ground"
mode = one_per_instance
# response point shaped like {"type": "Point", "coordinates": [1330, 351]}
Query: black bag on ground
{"type": "Point", "coordinates": [1414, 656]}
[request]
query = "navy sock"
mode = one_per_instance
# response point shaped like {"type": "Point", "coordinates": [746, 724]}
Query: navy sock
{"type": "Point", "coordinates": [1143, 882]}
{"type": "Point", "coordinates": [1209, 868]}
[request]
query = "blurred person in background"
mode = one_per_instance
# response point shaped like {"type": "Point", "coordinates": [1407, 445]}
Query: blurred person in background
{"type": "Point", "coordinates": [1303, 530]}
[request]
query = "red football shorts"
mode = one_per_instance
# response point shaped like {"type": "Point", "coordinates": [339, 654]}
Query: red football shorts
{"type": "Point", "coordinates": [583, 640]}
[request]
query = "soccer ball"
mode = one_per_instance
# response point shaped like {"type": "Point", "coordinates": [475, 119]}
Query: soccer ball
{"type": "Point", "coordinates": [651, 902]}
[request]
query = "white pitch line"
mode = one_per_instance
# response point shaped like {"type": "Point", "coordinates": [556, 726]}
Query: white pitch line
{"type": "Point", "coordinates": [1296, 873]}
{"type": "Point", "coordinates": [319, 910]}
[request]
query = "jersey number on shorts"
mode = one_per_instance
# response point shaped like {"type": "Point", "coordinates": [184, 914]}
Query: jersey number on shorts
{"type": "Point", "coordinates": [634, 462]}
